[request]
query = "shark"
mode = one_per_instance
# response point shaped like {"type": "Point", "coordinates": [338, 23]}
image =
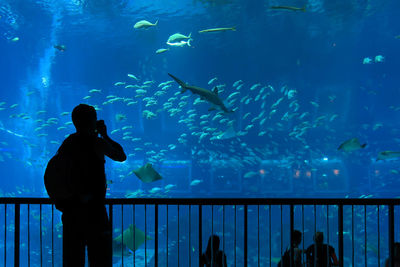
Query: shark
{"type": "Point", "coordinates": [210, 96]}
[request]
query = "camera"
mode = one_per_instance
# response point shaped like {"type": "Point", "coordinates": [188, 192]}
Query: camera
{"type": "Point", "coordinates": [100, 126]}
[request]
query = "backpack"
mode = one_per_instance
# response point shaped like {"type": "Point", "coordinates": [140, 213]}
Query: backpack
{"type": "Point", "coordinates": [58, 177]}
{"type": "Point", "coordinates": [285, 260]}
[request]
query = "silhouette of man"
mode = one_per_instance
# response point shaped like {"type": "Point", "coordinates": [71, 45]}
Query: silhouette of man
{"type": "Point", "coordinates": [85, 220]}
{"type": "Point", "coordinates": [213, 257]}
{"type": "Point", "coordinates": [297, 253]}
{"type": "Point", "coordinates": [396, 256]}
{"type": "Point", "coordinates": [325, 254]}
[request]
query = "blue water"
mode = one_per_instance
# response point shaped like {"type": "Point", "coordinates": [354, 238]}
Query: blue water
{"type": "Point", "coordinates": [318, 53]}
{"type": "Point", "coordinates": [289, 150]}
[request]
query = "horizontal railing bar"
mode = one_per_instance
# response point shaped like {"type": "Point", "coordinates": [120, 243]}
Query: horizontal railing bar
{"type": "Point", "coordinates": [223, 201]}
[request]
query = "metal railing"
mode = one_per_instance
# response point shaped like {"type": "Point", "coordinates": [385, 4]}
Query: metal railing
{"type": "Point", "coordinates": [239, 210]}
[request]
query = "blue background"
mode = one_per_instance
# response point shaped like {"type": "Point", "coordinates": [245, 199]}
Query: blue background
{"type": "Point", "coordinates": [319, 53]}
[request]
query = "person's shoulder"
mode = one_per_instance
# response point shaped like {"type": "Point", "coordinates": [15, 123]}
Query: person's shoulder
{"type": "Point", "coordinates": [221, 253]}
{"type": "Point", "coordinates": [69, 141]}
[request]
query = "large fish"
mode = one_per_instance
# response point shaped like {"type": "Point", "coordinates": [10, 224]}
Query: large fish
{"type": "Point", "coordinates": [218, 30]}
{"type": "Point", "coordinates": [293, 8]}
{"type": "Point", "coordinates": [177, 37]}
{"type": "Point", "coordinates": [132, 238]}
{"type": "Point", "coordinates": [211, 96]}
{"type": "Point", "coordinates": [144, 24]}
{"type": "Point", "coordinates": [388, 155]}
{"type": "Point", "coordinates": [351, 145]}
{"type": "Point", "coordinates": [180, 43]}
{"type": "Point", "coordinates": [147, 173]}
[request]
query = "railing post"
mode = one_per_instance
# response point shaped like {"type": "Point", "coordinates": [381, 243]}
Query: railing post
{"type": "Point", "coordinates": [340, 223]}
{"type": "Point", "coordinates": [200, 233]}
{"type": "Point", "coordinates": [110, 214]}
{"type": "Point", "coordinates": [245, 235]}
{"type": "Point", "coordinates": [16, 235]}
{"type": "Point", "coordinates": [291, 235]}
{"type": "Point", "coordinates": [156, 235]}
{"type": "Point", "coordinates": [391, 235]}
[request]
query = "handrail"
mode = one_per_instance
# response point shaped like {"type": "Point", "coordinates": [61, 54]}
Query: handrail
{"type": "Point", "coordinates": [340, 202]}
{"type": "Point", "coordinates": [221, 201]}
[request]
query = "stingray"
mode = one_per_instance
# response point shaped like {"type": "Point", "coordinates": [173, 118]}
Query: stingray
{"type": "Point", "coordinates": [147, 173]}
{"type": "Point", "coordinates": [120, 250]}
{"type": "Point", "coordinates": [228, 134]}
{"type": "Point", "coordinates": [130, 234]}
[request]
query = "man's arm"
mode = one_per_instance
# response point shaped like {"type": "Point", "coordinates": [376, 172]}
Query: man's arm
{"type": "Point", "coordinates": [112, 149]}
{"type": "Point", "coordinates": [334, 258]}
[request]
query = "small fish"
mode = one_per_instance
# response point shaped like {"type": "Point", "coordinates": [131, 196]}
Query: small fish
{"type": "Point", "coordinates": [169, 186]}
{"type": "Point", "coordinates": [246, 115]}
{"type": "Point", "coordinates": [367, 60]}
{"type": "Point", "coordinates": [177, 37]}
{"type": "Point", "coordinates": [132, 76]}
{"type": "Point", "coordinates": [119, 83]}
{"type": "Point", "coordinates": [232, 95]}
{"type": "Point", "coordinates": [237, 83]}
{"type": "Point", "coordinates": [292, 8]}
{"type": "Point", "coordinates": [15, 39]}
{"type": "Point", "coordinates": [291, 94]}
{"type": "Point", "coordinates": [95, 91]}
{"type": "Point", "coordinates": [351, 145]}
{"type": "Point", "coordinates": [379, 58]}
{"type": "Point", "coordinates": [165, 83]}
{"type": "Point", "coordinates": [388, 155]}
{"type": "Point", "coordinates": [144, 24]}
{"type": "Point", "coordinates": [161, 50]}
{"type": "Point", "coordinates": [155, 190]}
{"type": "Point", "coordinates": [255, 86]}
{"type": "Point", "coordinates": [126, 127]}
{"type": "Point", "coordinates": [218, 30]}
{"type": "Point", "coordinates": [141, 91]}
{"type": "Point", "coordinates": [273, 106]}
{"type": "Point", "coordinates": [195, 182]}
{"type": "Point", "coordinates": [180, 43]}
{"type": "Point", "coordinates": [114, 131]}
{"type": "Point", "coordinates": [212, 80]}
{"type": "Point", "coordinates": [59, 47]}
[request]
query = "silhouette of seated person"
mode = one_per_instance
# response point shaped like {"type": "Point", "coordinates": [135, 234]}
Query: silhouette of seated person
{"type": "Point", "coordinates": [396, 256]}
{"type": "Point", "coordinates": [320, 254]}
{"type": "Point", "coordinates": [85, 219]}
{"type": "Point", "coordinates": [213, 257]}
{"type": "Point", "coordinates": [297, 253]}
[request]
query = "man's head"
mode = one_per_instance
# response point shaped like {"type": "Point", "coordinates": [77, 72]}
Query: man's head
{"type": "Point", "coordinates": [319, 237]}
{"type": "Point", "coordinates": [84, 118]}
{"type": "Point", "coordinates": [296, 238]}
{"type": "Point", "coordinates": [215, 244]}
